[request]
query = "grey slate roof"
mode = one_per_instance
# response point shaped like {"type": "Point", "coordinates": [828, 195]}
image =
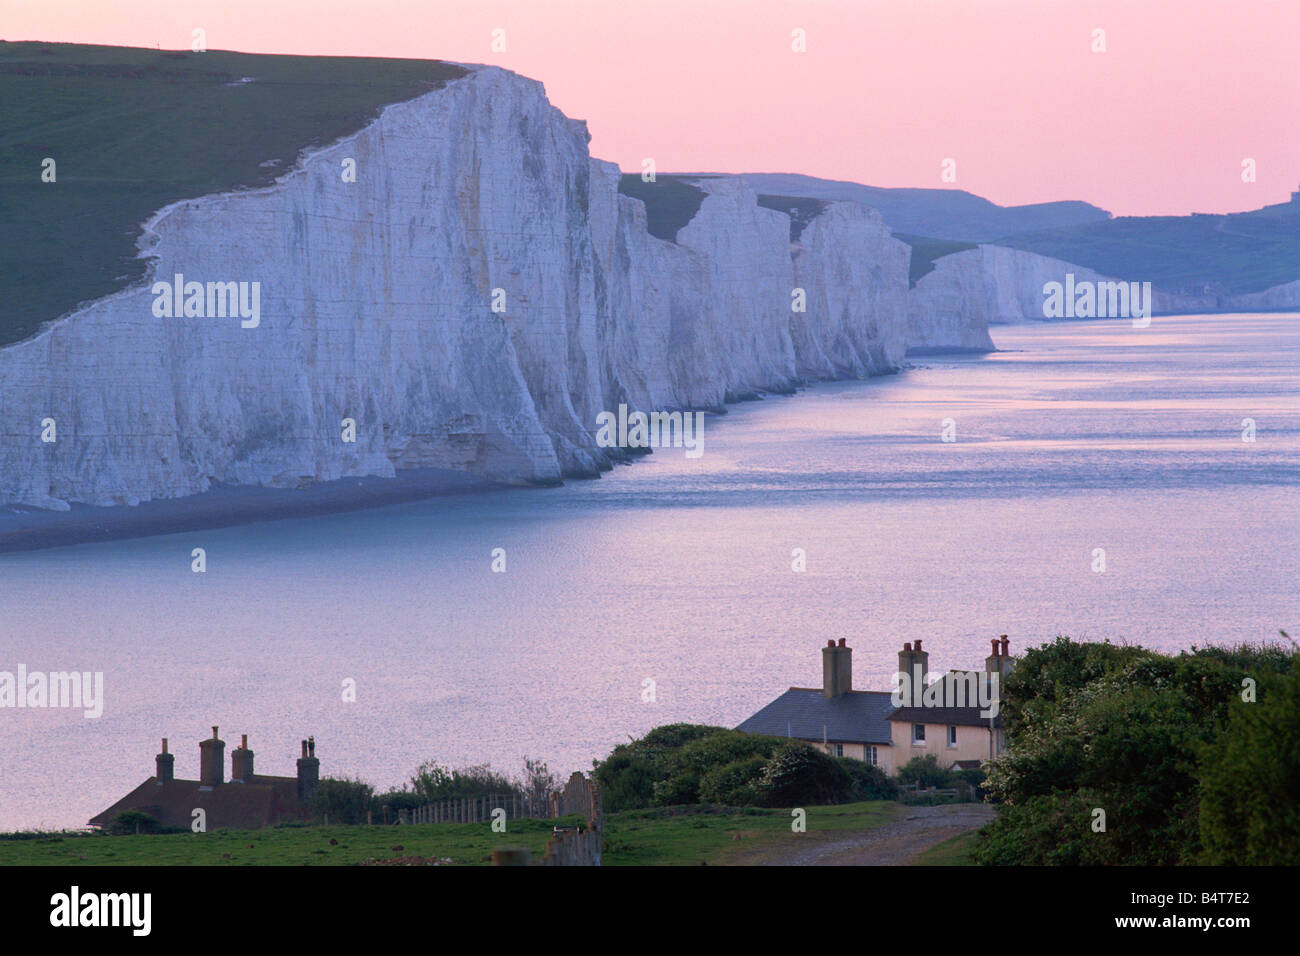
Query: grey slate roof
{"type": "Point", "coordinates": [957, 716]}
{"type": "Point", "coordinates": [860, 716]}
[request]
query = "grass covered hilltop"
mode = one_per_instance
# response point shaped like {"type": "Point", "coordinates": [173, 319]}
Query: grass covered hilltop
{"type": "Point", "coordinates": [132, 130]}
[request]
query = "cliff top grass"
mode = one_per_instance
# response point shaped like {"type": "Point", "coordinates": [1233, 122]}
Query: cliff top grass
{"type": "Point", "coordinates": [800, 209]}
{"type": "Point", "coordinates": [670, 202]}
{"type": "Point", "coordinates": [661, 836]}
{"type": "Point", "coordinates": [926, 250]}
{"type": "Point", "coordinates": [132, 130]}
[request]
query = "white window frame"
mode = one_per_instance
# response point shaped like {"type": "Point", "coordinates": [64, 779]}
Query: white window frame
{"type": "Point", "coordinates": [918, 733]}
{"type": "Point", "coordinates": [952, 735]}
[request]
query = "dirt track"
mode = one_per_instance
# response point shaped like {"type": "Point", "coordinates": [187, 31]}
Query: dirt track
{"type": "Point", "coordinates": [896, 843]}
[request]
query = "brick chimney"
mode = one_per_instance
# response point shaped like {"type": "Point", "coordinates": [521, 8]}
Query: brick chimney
{"type": "Point", "coordinates": [241, 761]}
{"type": "Point", "coordinates": [914, 665]}
{"type": "Point", "coordinates": [999, 662]}
{"type": "Point", "coordinates": [212, 754]}
{"type": "Point", "coordinates": [837, 668]}
{"type": "Point", "coordinates": [308, 770]}
{"type": "Point", "coordinates": [165, 764]}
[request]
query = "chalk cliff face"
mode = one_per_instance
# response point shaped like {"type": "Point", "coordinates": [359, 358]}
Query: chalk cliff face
{"type": "Point", "coordinates": [949, 306]}
{"type": "Point", "coordinates": [377, 305]}
{"type": "Point", "coordinates": [855, 276]}
{"type": "Point", "coordinates": [953, 305]}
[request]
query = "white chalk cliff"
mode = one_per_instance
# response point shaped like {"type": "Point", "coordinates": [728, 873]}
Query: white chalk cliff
{"type": "Point", "coordinates": [376, 303]}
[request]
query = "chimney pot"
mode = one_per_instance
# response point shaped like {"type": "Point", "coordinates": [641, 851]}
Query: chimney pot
{"type": "Point", "coordinates": [1006, 645]}
{"type": "Point", "coordinates": [908, 647]}
{"type": "Point", "coordinates": [308, 770]}
{"type": "Point", "coordinates": [837, 668]}
{"type": "Point", "coordinates": [164, 764]}
{"type": "Point", "coordinates": [211, 759]}
{"type": "Point", "coordinates": [994, 642]}
{"type": "Point", "coordinates": [243, 741]}
{"type": "Point", "coordinates": [918, 645]}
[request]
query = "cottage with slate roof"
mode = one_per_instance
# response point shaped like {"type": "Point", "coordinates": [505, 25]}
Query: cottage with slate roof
{"type": "Point", "coordinates": [867, 725]}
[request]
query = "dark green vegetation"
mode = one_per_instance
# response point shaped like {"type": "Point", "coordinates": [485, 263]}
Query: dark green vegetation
{"type": "Point", "coordinates": [132, 130]}
{"type": "Point", "coordinates": [347, 801]}
{"type": "Point", "coordinates": [679, 835]}
{"type": "Point", "coordinates": [688, 764]}
{"type": "Point", "coordinates": [925, 772]}
{"type": "Point", "coordinates": [926, 250]}
{"type": "Point", "coordinates": [801, 211]}
{"type": "Point", "coordinates": [670, 202]}
{"type": "Point", "coordinates": [1241, 252]}
{"type": "Point", "coordinates": [1185, 770]}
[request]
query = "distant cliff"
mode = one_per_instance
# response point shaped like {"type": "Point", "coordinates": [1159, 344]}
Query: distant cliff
{"type": "Point", "coordinates": [470, 302]}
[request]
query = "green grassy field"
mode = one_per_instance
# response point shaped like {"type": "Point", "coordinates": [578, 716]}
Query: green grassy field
{"type": "Point", "coordinates": [955, 851]}
{"type": "Point", "coordinates": [673, 836]}
{"type": "Point", "coordinates": [131, 130]}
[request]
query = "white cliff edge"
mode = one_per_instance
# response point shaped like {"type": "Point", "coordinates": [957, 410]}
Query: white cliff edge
{"type": "Point", "coordinates": [375, 306]}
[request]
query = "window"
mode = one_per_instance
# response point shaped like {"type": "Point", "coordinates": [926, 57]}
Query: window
{"type": "Point", "coordinates": [870, 753]}
{"type": "Point", "coordinates": [837, 750]}
{"type": "Point", "coordinates": [952, 736]}
{"type": "Point", "coordinates": [918, 733]}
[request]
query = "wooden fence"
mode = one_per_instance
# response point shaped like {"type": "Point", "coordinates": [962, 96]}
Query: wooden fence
{"type": "Point", "coordinates": [479, 809]}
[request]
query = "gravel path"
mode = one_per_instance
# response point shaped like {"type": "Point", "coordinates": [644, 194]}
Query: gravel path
{"type": "Point", "coordinates": [893, 844]}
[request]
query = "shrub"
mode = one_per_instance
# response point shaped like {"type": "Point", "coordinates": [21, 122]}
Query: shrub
{"type": "Point", "coordinates": [342, 800]}
{"type": "Point", "coordinates": [432, 781]}
{"type": "Point", "coordinates": [798, 775]}
{"type": "Point", "coordinates": [735, 784]}
{"type": "Point", "coordinates": [867, 782]}
{"type": "Point", "coordinates": [1250, 781]}
{"type": "Point", "coordinates": [680, 788]}
{"type": "Point", "coordinates": [925, 772]}
{"type": "Point", "coordinates": [135, 821]}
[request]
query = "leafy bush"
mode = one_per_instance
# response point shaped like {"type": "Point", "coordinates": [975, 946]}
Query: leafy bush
{"type": "Point", "coordinates": [432, 781]}
{"type": "Point", "coordinates": [867, 782]}
{"type": "Point", "coordinates": [686, 764]}
{"type": "Point", "coordinates": [679, 788]}
{"type": "Point", "coordinates": [799, 774]}
{"type": "Point", "coordinates": [925, 772]}
{"type": "Point", "coordinates": [1151, 740]}
{"type": "Point", "coordinates": [135, 821]}
{"type": "Point", "coordinates": [1250, 781]}
{"type": "Point", "coordinates": [342, 800]}
{"type": "Point", "coordinates": [734, 784]}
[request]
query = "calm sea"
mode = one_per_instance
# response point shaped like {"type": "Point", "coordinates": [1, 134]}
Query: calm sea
{"type": "Point", "coordinates": [665, 591]}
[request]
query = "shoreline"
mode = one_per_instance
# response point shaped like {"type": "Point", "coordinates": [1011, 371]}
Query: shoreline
{"type": "Point", "coordinates": [30, 529]}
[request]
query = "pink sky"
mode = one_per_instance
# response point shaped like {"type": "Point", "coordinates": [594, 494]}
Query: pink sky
{"type": "Point", "coordinates": [1010, 89]}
